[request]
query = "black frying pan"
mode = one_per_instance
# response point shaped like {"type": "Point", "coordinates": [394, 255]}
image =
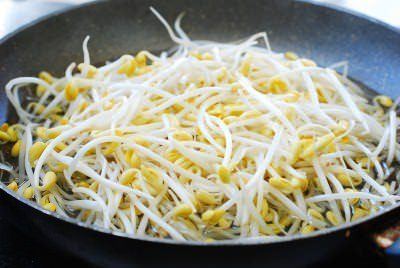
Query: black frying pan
{"type": "Point", "coordinates": [121, 26]}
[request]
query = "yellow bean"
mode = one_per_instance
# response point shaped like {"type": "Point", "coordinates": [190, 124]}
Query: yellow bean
{"type": "Point", "coordinates": [4, 127]}
{"type": "Point", "coordinates": [315, 214]}
{"type": "Point", "coordinates": [41, 132]}
{"type": "Point", "coordinates": [224, 223]}
{"type": "Point", "coordinates": [13, 186]}
{"type": "Point", "coordinates": [133, 159]}
{"type": "Point", "coordinates": [59, 167]}
{"type": "Point", "coordinates": [319, 145]}
{"type": "Point", "coordinates": [141, 141]}
{"type": "Point", "coordinates": [277, 86]}
{"type": "Point", "coordinates": [50, 207]}
{"type": "Point", "coordinates": [285, 221]}
{"type": "Point", "coordinates": [359, 213]}
{"type": "Point", "coordinates": [224, 174]}
{"type": "Point", "coordinates": [264, 208]}
{"type": "Point", "coordinates": [40, 90]}
{"type": "Point", "coordinates": [45, 76]}
{"type": "Point", "coordinates": [270, 216]}
{"type": "Point", "coordinates": [12, 134]}
{"type": "Point", "coordinates": [28, 193]}
{"type": "Point", "coordinates": [212, 216]}
{"type": "Point", "coordinates": [36, 107]}
{"type": "Point", "coordinates": [36, 151]}
{"type": "Point", "coordinates": [110, 148]}
{"type": "Point", "coordinates": [83, 184]}
{"type": "Point", "coordinates": [206, 198]}
{"type": "Point", "coordinates": [4, 137]}
{"type": "Point", "coordinates": [332, 218]}
{"type": "Point", "coordinates": [128, 67]}
{"type": "Point", "coordinates": [49, 180]}
{"type": "Point", "coordinates": [52, 133]}
{"type": "Point", "coordinates": [300, 183]}
{"type": "Point", "coordinates": [291, 55]}
{"type": "Point", "coordinates": [16, 148]}
{"type": "Point", "coordinates": [71, 91]}
{"type": "Point", "coordinates": [308, 63]}
{"type": "Point", "coordinates": [281, 184]}
{"type": "Point", "coordinates": [245, 68]}
{"type": "Point", "coordinates": [307, 229]}
{"type": "Point", "coordinates": [44, 199]}
{"type": "Point", "coordinates": [182, 210]}
{"type": "Point", "coordinates": [141, 58]}
{"type": "Point", "coordinates": [60, 146]}
{"type": "Point", "coordinates": [385, 101]}
{"type": "Point", "coordinates": [63, 121]}
{"type": "Point", "coordinates": [152, 177]}
{"type": "Point", "coordinates": [182, 136]}
{"type": "Point", "coordinates": [347, 180]}
{"type": "Point", "coordinates": [91, 70]}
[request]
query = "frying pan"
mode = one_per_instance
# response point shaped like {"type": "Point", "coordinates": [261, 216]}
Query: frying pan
{"type": "Point", "coordinates": [117, 27]}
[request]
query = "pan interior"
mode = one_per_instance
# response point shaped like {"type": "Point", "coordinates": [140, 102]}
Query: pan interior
{"type": "Point", "coordinates": [120, 27]}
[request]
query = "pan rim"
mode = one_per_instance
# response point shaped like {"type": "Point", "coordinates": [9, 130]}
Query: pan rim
{"type": "Point", "coordinates": [234, 242]}
{"type": "Point", "coordinates": [248, 242]}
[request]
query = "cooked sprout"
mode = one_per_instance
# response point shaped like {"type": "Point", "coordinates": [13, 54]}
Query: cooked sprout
{"type": "Point", "coordinates": [50, 207]}
{"type": "Point", "coordinates": [13, 186]}
{"type": "Point", "coordinates": [212, 141]}
{"type": "Point", "coordinates": [15, 149]}
{"type": "Point", "coordinates": [28, 192]}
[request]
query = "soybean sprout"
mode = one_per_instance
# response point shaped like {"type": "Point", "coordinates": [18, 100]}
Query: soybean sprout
{"type": "Point", "coordinates": [211, 141]}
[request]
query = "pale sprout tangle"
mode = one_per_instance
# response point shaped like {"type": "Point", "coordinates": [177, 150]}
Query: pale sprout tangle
{"type": "Point", "coordinates": [211, 141]}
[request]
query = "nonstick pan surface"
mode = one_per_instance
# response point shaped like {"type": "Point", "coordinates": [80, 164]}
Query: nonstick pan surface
{"type": "Point", "coordinates": [119, 27]}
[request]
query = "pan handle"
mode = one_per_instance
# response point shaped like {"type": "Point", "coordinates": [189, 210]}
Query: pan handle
{"type": "Point", "coordinates": [384, 232]}
{"type": "Point", "coordinates": [393, 254]}
{"type": "Point", "coordinates": [389, 241]}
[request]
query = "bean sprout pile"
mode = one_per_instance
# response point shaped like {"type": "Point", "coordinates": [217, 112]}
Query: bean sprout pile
{"type": "Point", "coordinates": [207, 141]}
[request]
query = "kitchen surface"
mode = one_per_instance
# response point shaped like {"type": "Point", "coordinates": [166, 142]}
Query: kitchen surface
{"type": "Point", "coordinates": [19, 250]}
